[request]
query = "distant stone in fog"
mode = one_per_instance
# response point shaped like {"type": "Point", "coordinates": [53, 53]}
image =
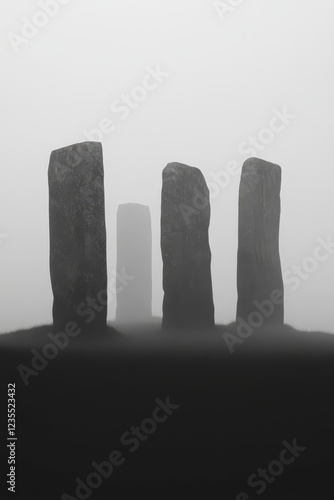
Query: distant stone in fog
{"type": "Point", "coordinates": [259, 275]}
{"type": "Point", "coordinates": [134, 262]}
{"type": "Point", "coordinates": [185, 218]}
{"type": "Point", "coordinates": [78, 236]}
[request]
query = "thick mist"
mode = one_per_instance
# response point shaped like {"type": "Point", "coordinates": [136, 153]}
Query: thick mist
{"type": "Point", "coordinates": [161, 82]}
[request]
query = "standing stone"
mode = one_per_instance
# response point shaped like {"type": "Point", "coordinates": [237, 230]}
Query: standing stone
{"type": "Point", "coordinates": [134, 264]}
{"type": "Point", "coordinates": [259, 268]}
{"type": "Point", "coordinates": [186, 255]}
{"type": "Point", "coordinates": [78, 236]}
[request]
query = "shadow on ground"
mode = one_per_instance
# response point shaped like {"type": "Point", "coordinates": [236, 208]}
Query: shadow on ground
{"type": "Point", "coordinates": [235, 410]}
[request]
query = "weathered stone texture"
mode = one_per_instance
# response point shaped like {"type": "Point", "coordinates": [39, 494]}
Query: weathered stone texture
{"type": "Point", "coordinates": [78, 235]}
{"type": "Point", "coordinates": [185, 218]}
{"type": "Point", "coordinates": [259, 269]}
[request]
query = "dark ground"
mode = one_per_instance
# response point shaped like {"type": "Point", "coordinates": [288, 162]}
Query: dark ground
{"type": "Point", "coordinates": [235, 411]}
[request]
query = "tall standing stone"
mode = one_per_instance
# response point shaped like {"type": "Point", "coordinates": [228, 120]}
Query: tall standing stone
{"type": "Point", "coordinates": [259, 275]}
{"type": "Point", "coordinates": [185, 218]}
{"type": "Point", "coordinates": [78, 236]}
{"type": "Point", "coordinates": [134, 263]}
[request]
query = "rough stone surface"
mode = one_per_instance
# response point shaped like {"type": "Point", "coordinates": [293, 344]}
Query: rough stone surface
{"type": "Point", "coordinates": [134, 263]}
{"type": "Point", "coordinates": [185, 218]}
{"type": "Point", "coordinates": [78, 236]}
{"type": "Point", "coordinates": [259, 268]}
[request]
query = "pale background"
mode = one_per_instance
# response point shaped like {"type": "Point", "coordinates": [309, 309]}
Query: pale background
{"type": "Point", "coordinates": [225, 78]}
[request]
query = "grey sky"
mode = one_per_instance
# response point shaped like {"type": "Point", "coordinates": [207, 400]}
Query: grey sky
{"type": "Point", "coordinates": [226, 77]}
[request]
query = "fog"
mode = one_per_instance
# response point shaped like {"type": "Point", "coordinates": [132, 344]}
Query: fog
{"type": "Point", "coordinates": [212, 84]}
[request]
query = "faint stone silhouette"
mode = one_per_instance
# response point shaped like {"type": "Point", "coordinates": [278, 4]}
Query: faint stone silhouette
{"type": "Point", "coordinates": [134, 259]}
